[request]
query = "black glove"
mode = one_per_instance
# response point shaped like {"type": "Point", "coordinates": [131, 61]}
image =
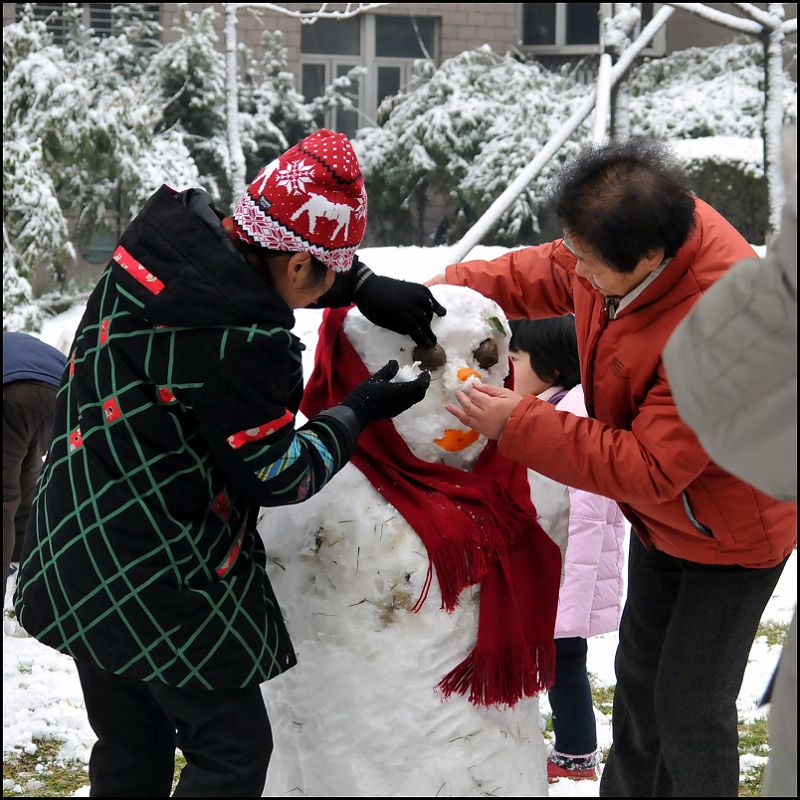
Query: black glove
{"type": "Point", "coordinates": [376, 398]}
{"type": "Point", "coordinates": [400, 306]}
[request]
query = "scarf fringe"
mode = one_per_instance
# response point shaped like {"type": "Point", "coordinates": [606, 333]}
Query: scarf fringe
{"type": "Point", "coordinates": [458, 566]}
{"type": "Point", "coordinates": [502, 678]}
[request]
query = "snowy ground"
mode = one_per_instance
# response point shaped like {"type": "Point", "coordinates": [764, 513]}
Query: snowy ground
{"type": "Point", "coordinates": [41, 694]}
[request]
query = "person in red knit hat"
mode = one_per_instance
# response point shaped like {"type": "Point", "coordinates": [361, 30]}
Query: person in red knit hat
{"type": "Point", "coordinates": [175, 422]}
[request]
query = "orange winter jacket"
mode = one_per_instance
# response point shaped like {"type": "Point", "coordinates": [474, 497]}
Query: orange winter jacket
{"type": "Point", "coordinates": [634, 447]}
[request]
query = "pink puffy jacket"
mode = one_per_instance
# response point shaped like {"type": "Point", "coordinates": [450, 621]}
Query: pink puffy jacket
{"type": "Point", "coordinates": [590, 599]}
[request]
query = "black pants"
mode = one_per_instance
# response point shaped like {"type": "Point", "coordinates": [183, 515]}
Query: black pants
{"type": "Point", "coordinates": [684, 640]}
{"type": "Point", "coordinates": [571, 700]}
{"type": "Point", "coordinates": [225, 737]}
{"type": "Point", "coordinates": [28, 408]}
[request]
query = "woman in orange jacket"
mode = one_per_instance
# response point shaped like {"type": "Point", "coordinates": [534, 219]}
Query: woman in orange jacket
{"type": "Point", "coordinates": [638, 251]}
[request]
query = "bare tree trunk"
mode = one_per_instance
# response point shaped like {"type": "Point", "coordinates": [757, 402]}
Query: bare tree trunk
{"type": "Point", "coordinates": [773, 116]}
{"type": "Point", "coordinates": [621, 96]}
{"type": "Point", "coordinates": [770, 27]}
{"type": "Point", "coordinates": [603, 100]}
{"type": "Point", "coordinates": [236, 164]}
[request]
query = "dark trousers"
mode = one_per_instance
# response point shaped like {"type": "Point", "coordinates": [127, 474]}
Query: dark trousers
{"type": "Point", "coordinates": [225, 737]}
{"type": "Point", "coordinates": [571, 700]}
{"type": "Point", "coordinates": [684, 640]}
{"type": "Point", "coordinates": [28, 408]}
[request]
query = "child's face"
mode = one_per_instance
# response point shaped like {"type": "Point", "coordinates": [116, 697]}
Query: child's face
{"type": "Point", "coordinates": [295, 281]}
{"type": "Point", "coordinates": [526, 381]}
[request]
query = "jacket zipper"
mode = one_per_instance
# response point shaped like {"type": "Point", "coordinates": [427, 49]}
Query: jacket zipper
{"type": "Point", "coordinates": [590, 351]}
{"type": "Point", "coordinates": [704, 529]}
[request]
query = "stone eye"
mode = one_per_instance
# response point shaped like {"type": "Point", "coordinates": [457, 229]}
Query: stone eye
{"type": "Point", "coordinates": [486, 355]}
{"type": "Point", "coordinates": [431, 357]}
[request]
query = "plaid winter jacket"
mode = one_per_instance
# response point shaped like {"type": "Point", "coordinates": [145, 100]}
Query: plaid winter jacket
{"type": "Point", "coordinates": [175, 421]}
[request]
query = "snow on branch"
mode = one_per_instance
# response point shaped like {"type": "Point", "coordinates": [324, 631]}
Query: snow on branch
{"type": "Point", "coordinates": [764, 18]}
{"type": "Point", "coordinates": [790, 26]}
{"type": "Point", "coordinates": [720, 17]}
{"type": "Point", "coordinates": [309, 17]}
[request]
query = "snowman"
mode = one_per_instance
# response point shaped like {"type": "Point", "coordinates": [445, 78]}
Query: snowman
{"type": "Point", "coordinates": [361, 714]}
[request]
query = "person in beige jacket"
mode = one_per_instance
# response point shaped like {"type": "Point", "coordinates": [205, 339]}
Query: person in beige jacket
{"type": "Point", "coordinates": [732, 368]}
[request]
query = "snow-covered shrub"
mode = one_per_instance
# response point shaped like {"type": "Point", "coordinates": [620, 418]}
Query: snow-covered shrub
{"type": "Point", "coordinates": [190, 74]}
{"type": "Point", "coordinates": [91, 129]}
{"type": "Point", "coordinates": [464, 131]}
{"type": "Point", "coordinates": [728, 173]}
{"type": "Point", "coordinates": [20, 313]}
{"type": "Point", "coordinates": [273, 115]}
{"type": "Point", "coordinates": [81, 143]}
{"type": "Point", "coordinates": [704, 91]}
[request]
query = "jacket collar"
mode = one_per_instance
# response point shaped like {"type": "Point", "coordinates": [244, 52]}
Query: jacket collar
{"type": "Point", "coordinates": [206, 282]}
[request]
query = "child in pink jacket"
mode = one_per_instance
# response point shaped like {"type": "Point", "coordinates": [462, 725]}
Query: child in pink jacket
{"type": "Point", "coordinates": [589, 529]}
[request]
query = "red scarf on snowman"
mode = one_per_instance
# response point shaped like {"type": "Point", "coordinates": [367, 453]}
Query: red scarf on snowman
{"type": "Point", "coordinates": [478, 527]}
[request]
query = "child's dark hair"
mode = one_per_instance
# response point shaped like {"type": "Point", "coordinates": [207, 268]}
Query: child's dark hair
{"type": "Point", "coordinates": [318, 269]}
{"type": "Point", "coordinates": [624, 200]}
{"type": "Point", "coordinates": [552, 345]}
{"type": "Point", "coordinates": [259, 255]}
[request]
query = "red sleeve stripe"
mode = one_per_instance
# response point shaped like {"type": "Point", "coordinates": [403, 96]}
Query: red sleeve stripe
{"type": "Point", "coordinates": [137, 270]}
{"type": "Point", "coordinates": [236, 440]}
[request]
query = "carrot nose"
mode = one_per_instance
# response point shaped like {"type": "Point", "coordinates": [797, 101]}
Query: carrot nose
{"type": "Point", "coordinates": [465, 372]}
{"type": "Point", "coordinates": [454, 440]}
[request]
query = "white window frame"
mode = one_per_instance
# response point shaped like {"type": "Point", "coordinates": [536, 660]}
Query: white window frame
{"type": "Point", "coordinates": [331, 63]}
{"type": "Point", "coordinates": [368, 85]}
{"type": "Point", "coordinates": [561, 48]}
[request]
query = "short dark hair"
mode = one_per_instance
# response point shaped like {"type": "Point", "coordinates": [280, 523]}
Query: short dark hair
{"type": "Point", "coordinates": [263, 254]}
{"type": "Point", "coordinates": [552, 345]}
{"type": "Point", "coordinates": [624, 200]}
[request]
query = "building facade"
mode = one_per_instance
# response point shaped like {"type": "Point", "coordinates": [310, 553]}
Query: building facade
{"type": "Point", "coordinates": [387, 40]}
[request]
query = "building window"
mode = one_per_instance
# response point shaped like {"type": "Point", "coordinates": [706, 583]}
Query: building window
{"type": "Point", "coordinates": [387, 45]}
{"type": "Point", "coordinates": [399, 42]}
{"type": "Point", "coordinates": [332, 37]}
{"type": "Point", "coordinates": [583, 23]}
{"type": "Point", "coordinates": [97, 16]}
{"type": "Point", "coordinates": [53, 16]}
{"type": "Point", "coordinates": [404, 37]}
{"type": "Point", "coordinates": [538, 23]}
{"type": "Point", "coordinates": [574, 28]}
{"type": "Point", "coordinates": [330, 49]}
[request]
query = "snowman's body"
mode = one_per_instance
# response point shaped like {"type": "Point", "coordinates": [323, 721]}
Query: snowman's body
{"type": "Point", "coordinates": [359, 715]}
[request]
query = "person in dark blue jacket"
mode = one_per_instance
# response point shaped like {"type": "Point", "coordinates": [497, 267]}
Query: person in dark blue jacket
{"type": "Point", "coordinates": [32, 371]}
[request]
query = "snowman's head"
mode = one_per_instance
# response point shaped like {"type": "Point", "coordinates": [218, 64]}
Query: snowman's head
{"type": "Point", "coordinates": [472, 345]}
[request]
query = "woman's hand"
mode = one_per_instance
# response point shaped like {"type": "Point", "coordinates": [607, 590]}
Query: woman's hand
{"type": "Point", "coordinates": [436, 280]}
{"type": "Point", "coordinates": [485, 408]}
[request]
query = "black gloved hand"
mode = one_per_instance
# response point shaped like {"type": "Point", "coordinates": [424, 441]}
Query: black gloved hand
{"type": "Point", "coordinates": [400, 306]}
{"type": "Point", "coordinates": [376, 398]}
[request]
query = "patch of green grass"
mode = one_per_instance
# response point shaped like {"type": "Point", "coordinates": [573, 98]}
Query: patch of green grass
{"type": "Point", "coordinates": [775, 632]}
{"type": "Point", "coordinates": [180, 763]}
{"type": "Point", "coordinates": [43, 774]}
{"type": "Point", "coordinates": [602, 696]}
{"type": "Point", "coordinates": [753, 737]}
{"type": "Point", "coordinates": [753, 740]}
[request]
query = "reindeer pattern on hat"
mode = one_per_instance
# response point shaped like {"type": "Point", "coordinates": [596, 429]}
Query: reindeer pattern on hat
{"type": "Point", "coordinates": [311, 198]}
{"type": "Point", "coordinates": [318, 206]}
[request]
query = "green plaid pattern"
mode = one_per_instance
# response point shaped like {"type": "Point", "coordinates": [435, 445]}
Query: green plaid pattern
{"type": "Point", "coordinates": [127, 530]}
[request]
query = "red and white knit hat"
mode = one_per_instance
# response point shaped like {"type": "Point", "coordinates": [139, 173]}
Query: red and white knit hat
{"type": "Point", "coordinates": [311, 199]}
